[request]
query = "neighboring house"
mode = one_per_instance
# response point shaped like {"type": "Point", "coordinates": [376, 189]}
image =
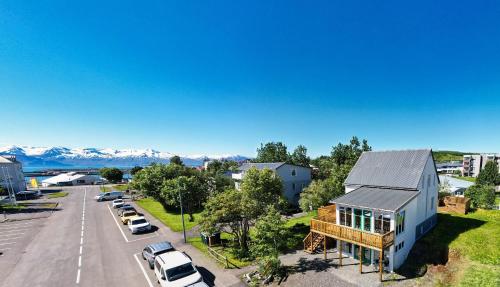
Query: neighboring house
{"type": "Point", "coordinates": [70, 179]}
{"type": "Point", "coordinates": [455, 186]}
{"type": "Point", "coordinates": [474, 163]}
{"type": "Point", "coordinates": [294, 177]}
{"type": "Point", "coordinates": [11, 174]}
{"type": "Point", "coordinates": [449, 167]}
{"type": "Point", "coordinates": [391, 201]}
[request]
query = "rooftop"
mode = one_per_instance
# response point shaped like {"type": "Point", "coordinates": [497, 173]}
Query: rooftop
{"type": "Point", "coordinates": [260, 165]}
{"type": "Point", "coordinates": [397, 169]}
{"type": "Point", "coordinates": [385, 199]}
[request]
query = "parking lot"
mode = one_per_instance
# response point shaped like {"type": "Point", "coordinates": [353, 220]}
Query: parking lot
{"type": "Point", "coordinates": [85, 243]}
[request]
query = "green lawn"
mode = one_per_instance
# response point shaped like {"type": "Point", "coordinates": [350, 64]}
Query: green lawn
{"type": "Point", "coordinates": [227, 251]}
{"type": "Point", "coordinates": [118, 187]}
{"type": "Point", "coordinates": [467, 178]}
{"type": "Point", "coordinates": [57, 194]}
{"type": "Point", "coordinates": [172, 219]}
{"type": "Point", "coordinates": [476, 238]}
{"type": "Point", "coordinates": [298, 229]}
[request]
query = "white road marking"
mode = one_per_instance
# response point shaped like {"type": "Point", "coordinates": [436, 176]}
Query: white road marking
{"type": "Point", "coordinates": [143, 270]}
{"type": "Point", "coordinates": [81, 239]}
{"type": "Point", "coordinates": [11, 238]}
{"type": "Point", "coordinates": [14, 228]}
{"type": "Point", "coordinates": [142, 238]}
{"type": "Point", "coordinates": [7, 243]}
{"type": "Point", "coordinates": [7, 235]}
{"type": "Point", "coordinates": [15, 224]}
{"type": "Point", "coordinates": [117, 225]}
{"type": "Point", "coordinates": [78, 277]}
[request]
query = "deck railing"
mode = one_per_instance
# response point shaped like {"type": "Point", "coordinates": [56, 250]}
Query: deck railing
{"type": "Point", "coordinates": [344, 233]}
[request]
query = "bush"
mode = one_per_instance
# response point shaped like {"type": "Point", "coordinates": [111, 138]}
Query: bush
{"type": "Point", "coordinates": [481, 196]}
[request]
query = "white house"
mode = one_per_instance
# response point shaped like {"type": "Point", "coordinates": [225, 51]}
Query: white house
{"type": "Point", "coordinates": [69, 179]}
{"type": "Point", "coordinates": [390, 201]}
{"type": "Point", "coordinates": [11, 174]}
{"type": "Point", "coordinates": [454, 185]}
{"type": "Point", "coordinates": [294, 177]}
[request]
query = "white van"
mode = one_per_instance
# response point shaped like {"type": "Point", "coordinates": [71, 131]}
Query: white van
{"type": "Point", "coordinates": [175, 269]}
{"type": "Point", "coordinates": [109, 196]}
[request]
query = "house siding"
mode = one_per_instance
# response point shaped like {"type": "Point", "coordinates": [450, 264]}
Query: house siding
{"type": "Point", "coordinates": [301, 180]}
{"type": "Point", "coordinates": [14, 171]}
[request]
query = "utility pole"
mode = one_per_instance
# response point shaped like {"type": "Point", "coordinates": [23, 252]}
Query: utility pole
{"type": "Point", "coordinates": [182, 214]}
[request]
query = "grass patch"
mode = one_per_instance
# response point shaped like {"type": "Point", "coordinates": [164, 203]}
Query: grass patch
{"type": "Point", "coordinates": [117, 187]}
{"type": "Point", "coordinates": [172, 219]}
{"type": "Point", "coordinates": [11, 207]}
{"type": "Point", "coordinates": [298, 229]}
{"type": "Point", "coordinates": [467, 178]}
{"type": "Point", "coordinates": [472, 240]}
{"type": "Point", "coordinates": [57, 194]}
{"type": "Point", "coordinates": [228, 252]}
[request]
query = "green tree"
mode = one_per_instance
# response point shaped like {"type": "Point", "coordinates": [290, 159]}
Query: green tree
{"type": "Point", "coordinates": [322, 167]}
{"type": "Point", "coordinates": [193, 190]}
{"type": "Point", "coordinates": [481, 196]}
{"type": "Point", "coordinates": [314, 196]}
{"type": "Point", "coordinates": [272, 152]}
{"type": "Point", "coordinates": [221, 166]}
{"type": "Point", "coordinates": [299, 156]}
{"type": "Point", "coordinates": [135, 170]}
{"type": "Point", "coordinates": [234, 211]}
{"type": "Point", "coordinates": [150, 179]}
{"type": "Point", "coordinates": [349, 153]}
{"type": "Point", "coordinates": [176, 160]}
{"type": "Point", "coordinates": [112, 174]}
{"type": "Point", "coordinates": [270, 234]}
{"type": "Point", "coordinates": [489, 174]}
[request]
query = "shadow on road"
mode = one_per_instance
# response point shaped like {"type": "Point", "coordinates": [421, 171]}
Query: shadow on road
{"type": "Point", "coordinates": [208, 276]}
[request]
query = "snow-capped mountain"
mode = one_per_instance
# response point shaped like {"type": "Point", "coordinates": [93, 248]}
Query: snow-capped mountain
{"type": "Point", "coordinates": [54, 157]}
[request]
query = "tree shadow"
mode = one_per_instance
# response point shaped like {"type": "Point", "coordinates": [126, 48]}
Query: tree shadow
{"type": "Point", "coordinates": [316, 264]}
{"type": "Point", "coordinates": [433, 248]}
{"type": "Point", "coordinates": [208, 277]}
{"type": "Point", "coordinates": [297, 233]}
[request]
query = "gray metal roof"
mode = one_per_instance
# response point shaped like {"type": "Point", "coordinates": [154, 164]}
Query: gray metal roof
{"type": "Point", "coordinates": [401, 169]}
{"type": "Point", "coordinates": [376, 198]}
{"type": "Point", "coordinates": [260, 165]}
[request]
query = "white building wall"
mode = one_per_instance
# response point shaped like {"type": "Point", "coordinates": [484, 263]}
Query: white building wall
{"type": "Point", "coordinates": [407, 236]}
{"type": "Point", "coordinates": [12, 171]}
{"type": "Point", "coordinates": [428, 192]}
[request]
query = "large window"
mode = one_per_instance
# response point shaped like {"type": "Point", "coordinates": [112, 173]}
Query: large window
{"type": "Point", "coordinates": [400, 222]}
{"type": "Point", "coordinates": [357, 218]}
{"type": "Point", "coordinates": [345, 216]}
{"type": "Point", "coordinates": [367, 226]}
{"type": "Point", "coordinates": [382, 223]}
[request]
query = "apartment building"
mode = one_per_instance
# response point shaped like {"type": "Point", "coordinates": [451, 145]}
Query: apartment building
{"type": "Point", "coordinates": [474, 163]}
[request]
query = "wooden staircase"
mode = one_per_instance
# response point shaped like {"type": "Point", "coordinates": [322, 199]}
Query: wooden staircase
{"type": "Point", "coordinates": [312, 241]}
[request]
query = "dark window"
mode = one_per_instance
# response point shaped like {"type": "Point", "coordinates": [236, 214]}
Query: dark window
{"type": "Point", "coordinates": [345, 216]}
{"type": "Point", "coordinates": [357, 218]}
{"type": "Point", "coordinates": [400, 222]}
{"type": "Point", "coordinates": [294, 172]}
{"type": "Point", "coordinates": [382, 223]}
{"type": "Point", "coordinates": [180, 272]}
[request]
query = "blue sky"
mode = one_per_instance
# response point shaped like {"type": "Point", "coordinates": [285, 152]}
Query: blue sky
{"type": "Point", "coordinates": [222, 77]}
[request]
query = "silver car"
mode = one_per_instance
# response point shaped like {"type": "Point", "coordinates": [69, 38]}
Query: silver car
{"type": "Point", "coordinates": [152, 250]}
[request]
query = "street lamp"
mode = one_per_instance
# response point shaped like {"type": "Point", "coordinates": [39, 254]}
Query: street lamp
{"type": "Point", "coordinates": [182, 213]}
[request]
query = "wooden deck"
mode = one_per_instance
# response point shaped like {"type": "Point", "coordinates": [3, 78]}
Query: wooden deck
{"type": "Point", "coordinates": [366, 239]}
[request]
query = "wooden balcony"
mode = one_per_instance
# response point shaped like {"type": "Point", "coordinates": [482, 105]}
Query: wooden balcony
{"type": "Point", "coordinates": [366, 239]}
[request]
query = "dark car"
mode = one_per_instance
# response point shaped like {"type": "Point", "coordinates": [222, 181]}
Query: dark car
{"type": "Point", "coordinates": [125, 207]}
{"type": "Point", "coordinates": [151, 251]}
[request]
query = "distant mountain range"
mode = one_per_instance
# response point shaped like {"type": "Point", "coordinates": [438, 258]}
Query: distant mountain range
{"type": "Point", "coordinates": [63, 157]}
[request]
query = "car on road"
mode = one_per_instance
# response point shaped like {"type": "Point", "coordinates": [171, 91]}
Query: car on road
{"type": "Point", "coordinates": [117, 203]}
{"type": "Point", "coordinates": [112, 195]}
{"type": "Point", "coordinates": [150, 252]}
{"type": "Point", "coordinates": [127, 215]}
{"type": "Point", "coordinates": [175, 269]}
{"type": "Point", "coordinates": [138, 224]}
{"type": "Point", "coordinates": [125, 207]}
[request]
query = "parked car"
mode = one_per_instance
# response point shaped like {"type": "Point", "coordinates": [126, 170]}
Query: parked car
{"type": "Point", "coordinates": [109, 196]}
{"type": "Point", "coordinates": [125, 207]}
{"type": "Point", "coordinates": [175, 269]}
{"type": "Point", "coordinates": [127, 215]}
{"type": "Point", "coordinates": [138, 224]}
{"type": "Point", "coordinates": [150, 252]}
{"type": "Point", "coordinates": [117, 203]}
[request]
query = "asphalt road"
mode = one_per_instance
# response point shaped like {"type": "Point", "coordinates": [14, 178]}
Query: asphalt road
{"type": "Point", "coordinates": [85, 244]}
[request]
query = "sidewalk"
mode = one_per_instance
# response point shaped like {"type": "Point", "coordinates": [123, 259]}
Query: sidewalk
{"type": "Point", "coordinates": [221, 276]}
